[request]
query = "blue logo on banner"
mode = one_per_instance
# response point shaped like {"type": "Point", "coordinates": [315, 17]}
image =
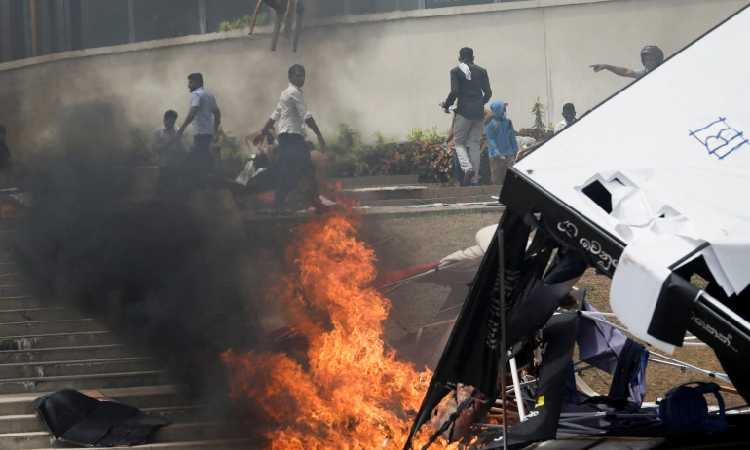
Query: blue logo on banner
{"type": "Point", "coordinates": [719, 138]}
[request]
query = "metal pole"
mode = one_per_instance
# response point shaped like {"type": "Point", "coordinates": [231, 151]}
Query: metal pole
{"type": "Point", "coordinates": [503, 333]}
{"type": "Point", "coordinates": [517, 389]}
{"type": "Point", "coordinates": [6, 36]}
{"type": "Point", "coordinates": [202, 16]}
{"type": "Point", "coordinates": [63, 26]}
{"type": "Point", "coordinates": [298, 24]}
{"type": "Point", "coordinates": [85, 17]}
{"type": "Point", "coordinates": [131, 21]}
{"type": "Point", "coordinates": [34, 27]}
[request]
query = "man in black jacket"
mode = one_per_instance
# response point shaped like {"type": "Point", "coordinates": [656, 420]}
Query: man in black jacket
{"type": "Point", "coordinates": [470, 85]}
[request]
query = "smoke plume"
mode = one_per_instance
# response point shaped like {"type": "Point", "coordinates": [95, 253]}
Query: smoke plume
{"type": "Point", "coordinates": [180, 275]}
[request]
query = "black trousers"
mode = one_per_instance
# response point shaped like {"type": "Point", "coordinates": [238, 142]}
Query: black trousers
{"type": "Point", "coordinates": [200, 161]}
{"type": "Point", "coordinates": [200, 156]}
{"type": "Point", "coordinates": [294, 166]}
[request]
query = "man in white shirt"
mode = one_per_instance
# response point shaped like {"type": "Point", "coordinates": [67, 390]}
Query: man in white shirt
{"type": "Point", "coordinates": [206, 119]}
{"type": "Point", "coordinates": [293, 158]}
{"type": "Point", "coordinates": [569, 117]}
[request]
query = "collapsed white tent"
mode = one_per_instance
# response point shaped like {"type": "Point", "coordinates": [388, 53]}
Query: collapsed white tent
{"type": "Point", "coordinates": [663, 167]}
{"type": "Point", "coordinates": [647, 188]}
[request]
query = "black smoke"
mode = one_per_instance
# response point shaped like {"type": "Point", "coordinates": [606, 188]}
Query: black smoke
{"type": "Point", "coordinates": [181, 276]}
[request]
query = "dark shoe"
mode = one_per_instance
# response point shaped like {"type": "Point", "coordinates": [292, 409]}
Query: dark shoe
{"type": "Point", "coordinates": [468, 178]}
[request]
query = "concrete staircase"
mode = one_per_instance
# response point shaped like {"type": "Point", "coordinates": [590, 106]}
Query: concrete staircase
{"type": "Point", "coordinates": [46, 348]}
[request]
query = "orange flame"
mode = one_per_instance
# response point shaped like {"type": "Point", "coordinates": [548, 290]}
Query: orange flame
{"type": "Point", "coordinates": [352, 392]}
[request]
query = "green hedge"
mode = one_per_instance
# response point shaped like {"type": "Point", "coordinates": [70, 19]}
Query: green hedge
{"type": "Point", "coordinates": [423, 153]}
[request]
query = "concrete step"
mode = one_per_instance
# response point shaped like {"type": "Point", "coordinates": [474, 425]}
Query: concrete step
{"type": "Point", "coordinates": [79, 382]}
{"type": "Point", "coordinates": [482, 198]}
{"type": "Point", "coordinates": [367, 194]}
{"type": "Point", "coordinates": [199, 431]}
{"type": "Point", "coordinates": [10, 277]}
{"type": "Point", "coordinates": [224, 444]}
{"type": "Point", "coordinates": [30, 423]}
{"type": "Point", "coordinates": [420, 193]}
{"type": "Point", "coordinates": [12, 289]}
{"type": "Point", "coordinates": [375, 180]}
{"type": "Point", "coordinates": [80, 367]}
{"type": "Point", "coordinates": [64, 354]}
{"type": "Point", "coordinates": [178, 432]}
{"type": "Point", "coordinates": [157, 396]}
{"type": "Point", "coordinates": [180, 413]}
{"type": "Point", "coordinates": [49, 327]}
{"type": "Point", "coordinates": [26, 423]}
{"type": "Point", "coordinates": [19, 441]}
{"type": "Point", "coordinates": [19, 302]}
{"type": "Point", "coordinates": [37, 315]}
{"type": "Point", "coordinates": [57, 340]}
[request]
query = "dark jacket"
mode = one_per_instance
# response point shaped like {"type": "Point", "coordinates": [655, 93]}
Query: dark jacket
{"type": "Point", "coordinates": [4, 156]}
{"type": "Point", "coordinates": [472, 94]}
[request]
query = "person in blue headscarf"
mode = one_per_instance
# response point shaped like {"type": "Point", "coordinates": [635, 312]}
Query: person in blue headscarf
{"type": "Point", "coordinates": [501, 142]}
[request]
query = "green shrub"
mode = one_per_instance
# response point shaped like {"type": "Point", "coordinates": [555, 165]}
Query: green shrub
{"type": "Point", "coordinates": [264, 18]}
{"type": "Point", "coordinates": [423, 153]}
{"type": "Point", "coordinates": [231, 153]}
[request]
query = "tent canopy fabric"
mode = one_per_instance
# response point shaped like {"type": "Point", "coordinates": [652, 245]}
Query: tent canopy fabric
{"type": "Point", "coordinates": [672, 150]}
{"type": "Point", "coordinates": [663, 167]}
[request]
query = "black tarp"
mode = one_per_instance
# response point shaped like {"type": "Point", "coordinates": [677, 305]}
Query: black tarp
{"type": "Point", "coordinates": [559, 335]}
{"type": "Point", "coordinates": [78, 419]}
{"type": "Point", "coordinates": [533, 293]}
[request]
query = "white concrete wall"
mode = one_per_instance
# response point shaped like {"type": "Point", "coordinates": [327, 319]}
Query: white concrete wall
{"type": "Point", "coordinates": [378, 74]}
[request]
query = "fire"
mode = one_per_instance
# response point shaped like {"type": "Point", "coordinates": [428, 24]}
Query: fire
{"type": "Point", "coordinates": [351, 392]}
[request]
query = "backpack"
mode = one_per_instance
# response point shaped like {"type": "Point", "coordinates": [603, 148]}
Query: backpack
{"type": "Point", "coordinates": [684, 409]}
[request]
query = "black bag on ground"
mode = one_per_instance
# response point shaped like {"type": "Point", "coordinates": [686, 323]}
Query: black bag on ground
{"type": "Point", "coordinates": [684, 409]}
{"type": "Point", "coordinates": [75, 418]}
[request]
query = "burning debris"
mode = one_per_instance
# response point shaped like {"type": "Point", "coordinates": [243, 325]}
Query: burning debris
{"type": "Point", "coordinates": [348, 391]}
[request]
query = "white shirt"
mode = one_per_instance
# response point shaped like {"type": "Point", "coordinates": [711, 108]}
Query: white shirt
{"type": "Point", "coordinates": [162, 137]}
{"type": "Point", "coordinates": [291, 113]}
{"type": "Point", "coordinates": [561, 126]}
{"type": "Point", "coordinates": [166, 147]}
{"type": "Point", "coordinates": [204, 118]}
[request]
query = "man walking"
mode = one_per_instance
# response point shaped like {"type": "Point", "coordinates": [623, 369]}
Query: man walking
{"type": "Point", "coordinates": [470, 85]}
{"type": "Point", "coordinates": [294, 163]}
{"type": "Point", "coordinates": [206, 118]}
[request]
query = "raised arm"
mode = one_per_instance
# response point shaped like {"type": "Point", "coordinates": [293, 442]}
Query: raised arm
{"type": "Point", "coordinates": [621, 71]}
